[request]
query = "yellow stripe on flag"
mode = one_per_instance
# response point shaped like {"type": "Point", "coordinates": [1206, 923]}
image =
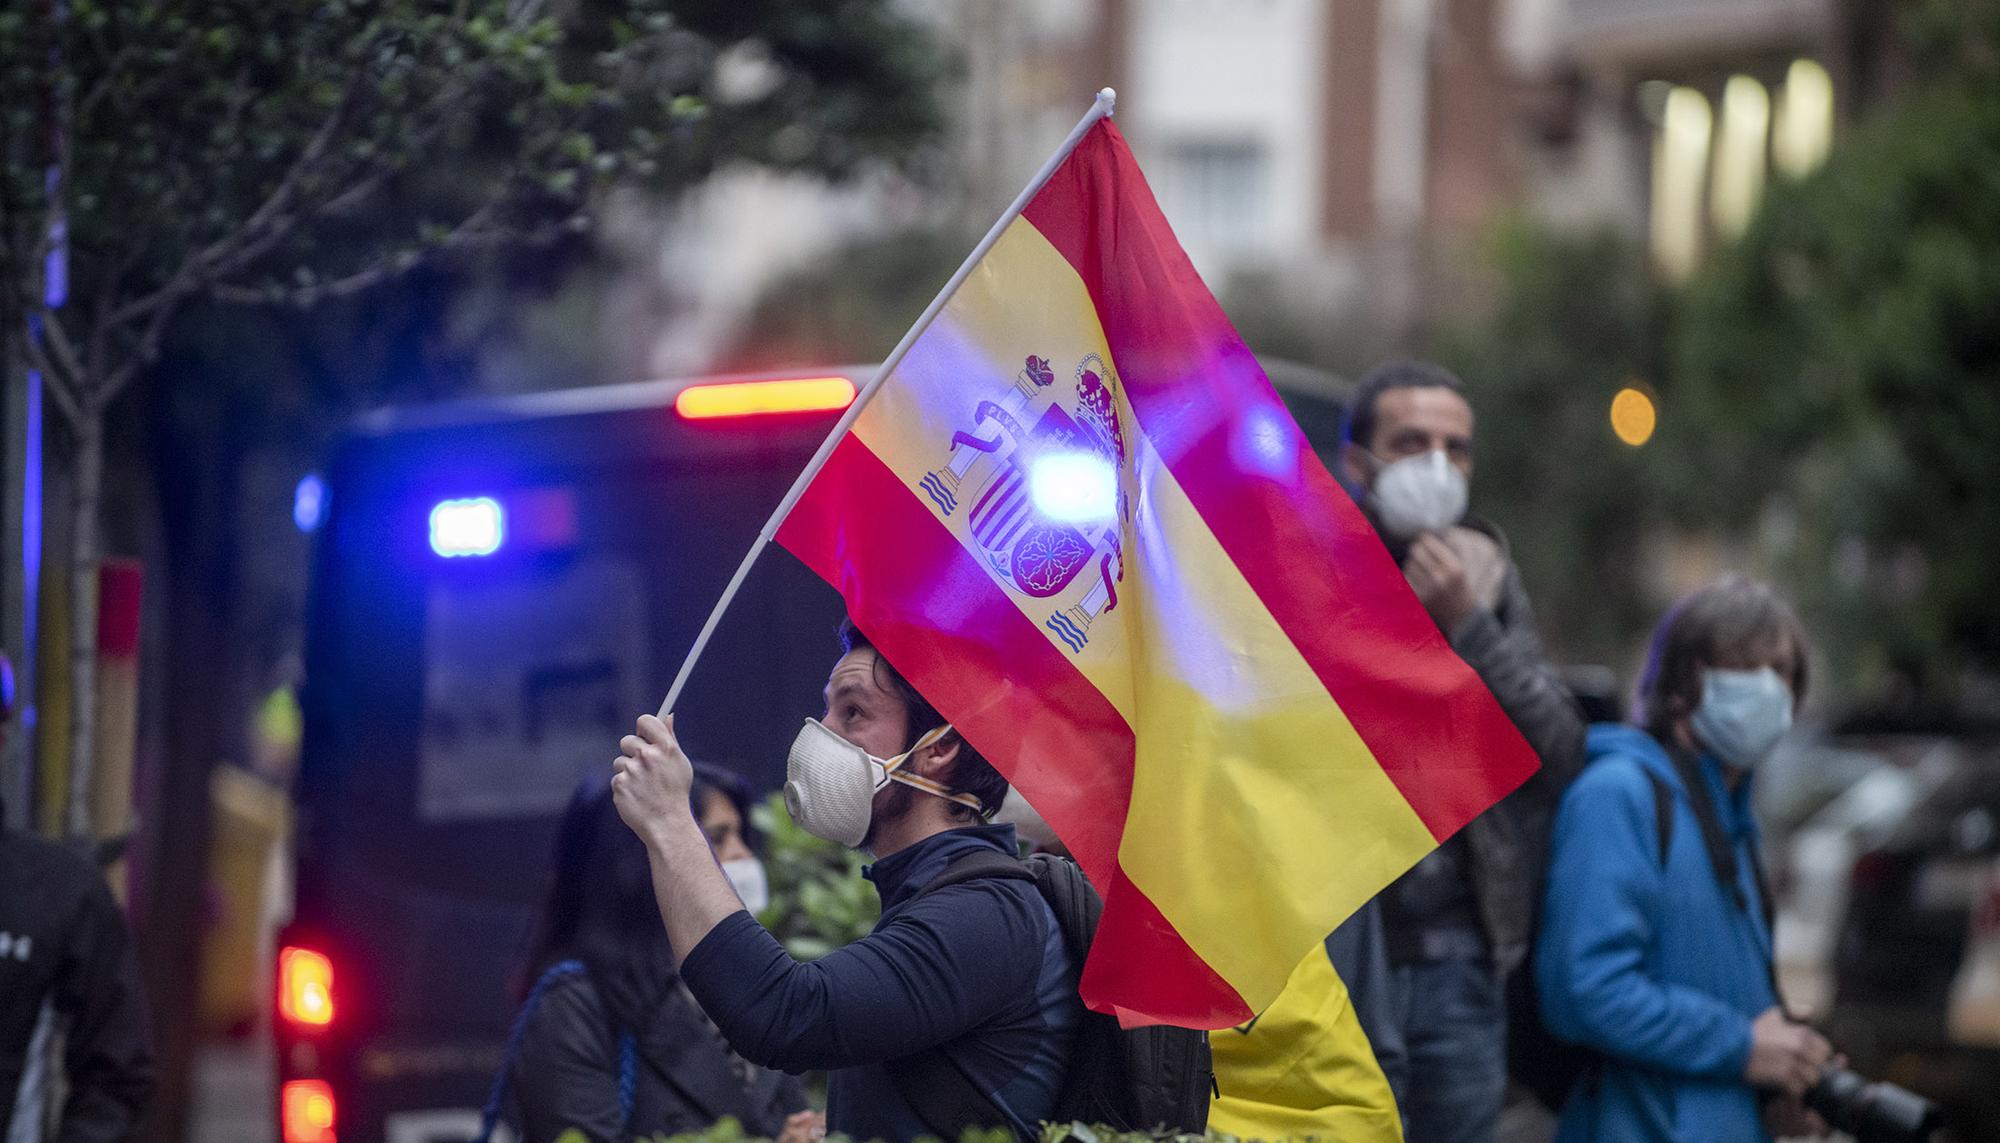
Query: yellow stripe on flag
{"type": "Point", "coordinates": [1236, 736]}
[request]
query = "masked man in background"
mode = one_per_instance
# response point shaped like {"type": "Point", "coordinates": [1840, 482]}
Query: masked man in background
{"type": "Point", "coordinates": [1459, 922]}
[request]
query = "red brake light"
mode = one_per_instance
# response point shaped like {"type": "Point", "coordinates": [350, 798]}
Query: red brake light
{"type": "Point", "coordinates": [305, 987]}
{"type": "Point", "coordinates": [306, 1112]}
{"type": "Point", "coordinates": [759, 398]}
{"type": "Point", "coordinates": [1874, 870]}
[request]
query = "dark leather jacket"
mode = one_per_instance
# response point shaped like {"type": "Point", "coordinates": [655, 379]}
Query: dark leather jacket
{"type": "Point", "coordinates": [1509, 843]}
{"type": "Point", "coordinates": [1503, 854]}
{"type": "Point", "coordinates": [567, 1075]}
{"type": "Point", "coordinates": [65, 961]}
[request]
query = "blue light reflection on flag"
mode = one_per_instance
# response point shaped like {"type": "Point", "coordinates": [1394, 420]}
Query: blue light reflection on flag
{"type": "Point", "coordinates": [1074, 487]}
{"type": "Point", "coordinates": [1264, 442]}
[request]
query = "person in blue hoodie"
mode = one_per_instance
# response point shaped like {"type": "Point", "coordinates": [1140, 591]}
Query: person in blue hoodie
{"type": "Point", "coordinates": [1655, 949]}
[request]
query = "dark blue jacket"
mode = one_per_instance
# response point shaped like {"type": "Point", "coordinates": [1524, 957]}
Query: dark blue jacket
{"type": "Point", "coordinates": [977, 968]}
{"type": "Point", "coordinates": [1655, 967]}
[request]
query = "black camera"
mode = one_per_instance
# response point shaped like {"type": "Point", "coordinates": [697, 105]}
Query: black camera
{"type": "Point", "coordinates": [1872, 1112]}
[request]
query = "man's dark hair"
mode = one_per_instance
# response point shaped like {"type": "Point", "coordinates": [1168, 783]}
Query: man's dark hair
{"type": "Point", "coordinates": [1358, 426]}
{"type": "Point", "coordinates": [1731, 614]}
{"type": "Point", "coordinates": [970, 772]}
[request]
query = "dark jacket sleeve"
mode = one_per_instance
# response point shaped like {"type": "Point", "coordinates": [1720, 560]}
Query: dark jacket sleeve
{"type": "Point", "coordinates": [1502, 647]}
{"type": "Point", "coordinates": [1360, 954]}
{"type": "Point", "coordinates": [566, 1076]}
{"type": "Point", "coordinates": [942, 966]}
{"type": "Point", "coordinates": [107, 1058]}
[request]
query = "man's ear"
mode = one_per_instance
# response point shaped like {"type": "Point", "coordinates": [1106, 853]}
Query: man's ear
{"type": "Point", "coordinates": [935, 760]}
{"type": "Point", "coordinates": [1354, 465]}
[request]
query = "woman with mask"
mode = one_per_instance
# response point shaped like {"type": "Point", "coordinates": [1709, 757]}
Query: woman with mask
{"type": "Point", "coordinates": [609, 1046]}
{"type": "Point", "coordinates": [1655, 948]}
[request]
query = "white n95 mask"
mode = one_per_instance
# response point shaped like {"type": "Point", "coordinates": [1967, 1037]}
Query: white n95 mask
{"type": "Point", "coordinates": [830, 783]}
{"type": "Point", "coordinates": [1424, 493]}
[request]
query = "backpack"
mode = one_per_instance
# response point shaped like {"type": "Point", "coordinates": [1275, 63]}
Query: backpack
{"type": "Point", "coordinates": [1551, 1067]}
{"type": "Point", "coordinates": [1151, 1079]}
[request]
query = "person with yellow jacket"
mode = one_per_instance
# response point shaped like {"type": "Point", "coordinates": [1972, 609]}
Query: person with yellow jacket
{"type": "Point", "coordinates": [1314, 1064]}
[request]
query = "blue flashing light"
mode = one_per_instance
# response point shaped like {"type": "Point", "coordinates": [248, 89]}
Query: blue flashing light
{"type": "Point", "coordinates": [470, 527]}
{"type": "Point", "coordinates": [309, 503]}
{"type": "Point", "coordinates": [1074, 487]}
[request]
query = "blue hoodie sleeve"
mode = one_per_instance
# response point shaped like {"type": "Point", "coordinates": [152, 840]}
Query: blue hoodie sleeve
{"type": "Point", "coordinates": [942, 966]}
{"type": "Point", "coordinates": [1605, 890]}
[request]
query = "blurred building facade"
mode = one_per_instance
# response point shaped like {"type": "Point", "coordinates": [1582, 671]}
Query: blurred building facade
{"type": "Point", "coordinates": [1346, 152]}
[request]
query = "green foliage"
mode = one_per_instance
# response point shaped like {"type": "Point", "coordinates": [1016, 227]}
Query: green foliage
{"type": "Point", "coordinates": [1574, 321]}
{"type": "Point", "coordinates": [819, 901]}
{"type": "Point", "coordinates": [298, 149]}
{"type": "Point", "coordinates": [1843, 361]}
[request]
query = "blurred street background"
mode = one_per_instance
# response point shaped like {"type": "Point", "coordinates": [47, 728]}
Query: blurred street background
{"type": "Point", "coordinates": [1722, 277]}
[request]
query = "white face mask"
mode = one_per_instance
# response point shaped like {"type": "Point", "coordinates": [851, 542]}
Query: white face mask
{"type": "Point", "coordinates": [1423, 493]}
{"type": "Point", "coordinates": [830, 783]}
{"type": "Point", "coordinates": [746, 876]}
{"type": "Point", "coordinates": [1742, 714]}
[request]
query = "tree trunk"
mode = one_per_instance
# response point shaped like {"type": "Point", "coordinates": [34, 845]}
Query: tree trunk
{"type": "Point", "coordinates": [87, 473]}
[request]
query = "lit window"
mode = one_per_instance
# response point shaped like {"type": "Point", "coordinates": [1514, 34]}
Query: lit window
{"type": "Point", "coordinates": [1217, 193]}
{"type": "Point", "coordinates": [1739, 155]}
{"type": "Point", "coordinates": [1802, 132]}
{"type": "Point", "coordinates": [1680, 168]}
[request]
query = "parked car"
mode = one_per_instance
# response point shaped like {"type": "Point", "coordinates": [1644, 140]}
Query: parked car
{"type": "Point", "coordinates": [1910, 976]}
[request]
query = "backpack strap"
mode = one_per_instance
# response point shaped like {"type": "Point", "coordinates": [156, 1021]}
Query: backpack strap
{"type": "Point", "coordinates": [931, 1081]}
{"type": "Point", "coordinates": [496, 1098]}
{"type": "Point", "coordinates": [1663, 814]}
{"type": "Point", "coordinates": [1722, 856]}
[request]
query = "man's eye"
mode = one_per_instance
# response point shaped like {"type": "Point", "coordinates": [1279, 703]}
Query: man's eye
{"type": "Point", "coordinates": [852, 713]}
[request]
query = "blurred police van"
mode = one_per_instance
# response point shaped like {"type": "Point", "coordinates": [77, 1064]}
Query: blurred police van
{"type": "Point", "coordinates": [500, 588]}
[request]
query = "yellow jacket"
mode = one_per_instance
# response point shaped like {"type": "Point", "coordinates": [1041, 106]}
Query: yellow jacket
{"type": "Point", "coordinates": [1303, 1069]}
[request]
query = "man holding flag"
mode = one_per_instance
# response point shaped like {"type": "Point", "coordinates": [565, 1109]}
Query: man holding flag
{"type": "Point", "coordinates": [976, 971]}
{"type": "Point", "coordinates": [1074, 514]}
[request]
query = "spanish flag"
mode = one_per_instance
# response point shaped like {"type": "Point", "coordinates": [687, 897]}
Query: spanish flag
{"type": "Point", "coordinates": [1077, 517]}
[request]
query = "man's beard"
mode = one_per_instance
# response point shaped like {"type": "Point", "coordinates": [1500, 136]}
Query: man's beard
{"type": "Point", "coordinates": [892, 804]}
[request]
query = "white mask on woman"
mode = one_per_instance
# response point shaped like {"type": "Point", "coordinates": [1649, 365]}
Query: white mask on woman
{"type": "Point", "coordinates": [746, 876]}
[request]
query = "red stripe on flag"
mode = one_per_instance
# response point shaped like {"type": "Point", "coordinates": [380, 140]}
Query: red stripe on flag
{"type": "Point", "coordinates": [938, 615]}
{"type": "Point", "coordinates": [1306, 550]}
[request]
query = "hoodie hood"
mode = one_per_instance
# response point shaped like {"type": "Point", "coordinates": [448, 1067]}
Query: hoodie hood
{"type": "Point", "coordinates": [1608, 738]}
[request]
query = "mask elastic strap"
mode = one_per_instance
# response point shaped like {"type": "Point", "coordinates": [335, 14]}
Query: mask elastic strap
{"type": "Point", "coordinates": [893, 767]}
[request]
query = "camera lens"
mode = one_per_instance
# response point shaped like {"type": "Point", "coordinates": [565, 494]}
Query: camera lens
{"type": "Point", "coordinates": [1872, 1112]}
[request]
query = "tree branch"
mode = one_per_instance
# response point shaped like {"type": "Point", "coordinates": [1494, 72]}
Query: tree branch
{"type": "Point", "coordinates": [101, 90]}
{"type": "Point", "coordinates": [58, 337]}
{"type": "Point", "coordinates": [144, 352]}
{"type": "Point", "coordinates": [475, 233]}
{"type": "Point", "coordinates": [52, 378]}
{"type": "Point", "coordinates": [226, 254]}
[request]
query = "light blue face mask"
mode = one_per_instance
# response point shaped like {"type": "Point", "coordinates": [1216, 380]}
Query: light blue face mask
{"type": "Point", "coordinates": [1742, 714]}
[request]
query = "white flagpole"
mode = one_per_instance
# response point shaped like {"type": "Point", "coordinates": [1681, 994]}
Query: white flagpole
{"type": "Point", "coordinates": [1100, 109]}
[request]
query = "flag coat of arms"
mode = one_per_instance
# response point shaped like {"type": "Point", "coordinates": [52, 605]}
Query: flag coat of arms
{"type": "Point", "coordinates": [1077, 517]}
